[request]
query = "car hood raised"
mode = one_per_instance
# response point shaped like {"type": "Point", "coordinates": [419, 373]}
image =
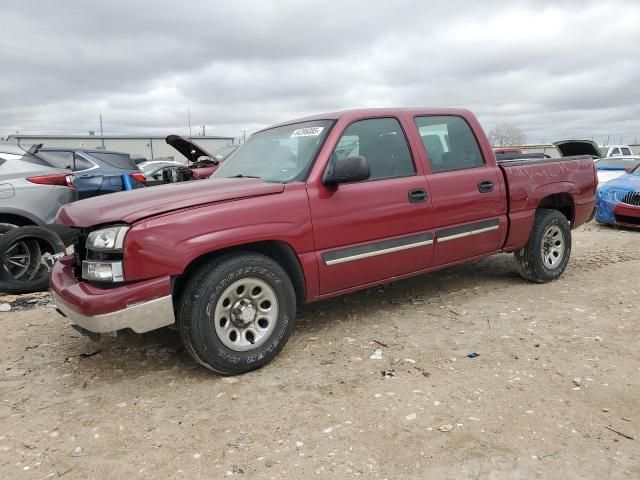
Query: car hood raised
{"type": "Point", "coordinates": [133, 205]}
{"type": "Point", "coordinates": [568, 148]}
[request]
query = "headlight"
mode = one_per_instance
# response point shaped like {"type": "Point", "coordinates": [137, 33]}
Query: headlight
{"type": "Point", "coordinates": [108, 239]}
{"type": "Point", "coordinates": [102, 271]}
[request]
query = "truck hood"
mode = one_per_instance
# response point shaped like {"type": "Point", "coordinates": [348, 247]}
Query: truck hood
{"type": "Point", "coordinates": [186, 147]}
{"type": "Point", "coordinates": [568, 148]}
{"type": "Point", "coordinates": [133, 205]}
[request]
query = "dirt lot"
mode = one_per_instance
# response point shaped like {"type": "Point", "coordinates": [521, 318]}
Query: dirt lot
{"type": "Point", "coordinates": [554, 393]}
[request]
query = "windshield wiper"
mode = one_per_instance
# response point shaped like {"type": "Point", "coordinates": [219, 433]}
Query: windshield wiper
{"type": "Point", "coordinates": [240, 175]}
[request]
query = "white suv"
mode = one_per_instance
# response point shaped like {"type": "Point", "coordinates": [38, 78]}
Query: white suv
{"type": "Point", "coordinates": [616, 151]}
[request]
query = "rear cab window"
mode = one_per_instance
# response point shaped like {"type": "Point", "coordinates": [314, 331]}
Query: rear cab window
{"type": "Point", "coordinates": [382, 142]}
{"type": "Point", "coordinates": [626, 151]}
{"type": "Point", "coordinates": [449, 142]}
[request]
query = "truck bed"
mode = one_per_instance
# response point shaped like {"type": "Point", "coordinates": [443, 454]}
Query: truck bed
{"type": "Point", "coordinates": [565, 183]}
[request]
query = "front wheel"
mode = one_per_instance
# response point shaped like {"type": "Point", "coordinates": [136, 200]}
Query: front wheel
{"type": "Point", "coordinates": [236, 313]}
{"type": "Point", "coordinates": [546, 254]}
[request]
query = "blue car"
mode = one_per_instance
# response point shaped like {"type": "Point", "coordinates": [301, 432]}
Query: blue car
{"type": "Point", "coordinates": [618, 201]}
{"type": "Point", "coordinates": [96, 172]}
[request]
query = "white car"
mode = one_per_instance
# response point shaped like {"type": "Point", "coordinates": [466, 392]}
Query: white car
{"type": "Point", "coordinates": [613, 167]}
{"type": "Point", "coordinates": [616, 151]}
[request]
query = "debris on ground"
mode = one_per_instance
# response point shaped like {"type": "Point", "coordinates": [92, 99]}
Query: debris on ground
{"type": "Point", "coordinates": [5, 307]}
{"type": "Point", "coordinates": [577, 381]}
{"type": "Point", "coordinates": [446, 428]}
{"type": "Point", "coordinates": [389, 373]}
{"type": "Point", "coordinates": [376, 355]}
{"type": "Point", "coordinates": [473, 354]}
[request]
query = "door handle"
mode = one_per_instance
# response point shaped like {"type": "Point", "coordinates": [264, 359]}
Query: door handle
{"type": "Point", "coordinates": [417, 195]}
{"type": "Point", "coordinates": [485, 186]}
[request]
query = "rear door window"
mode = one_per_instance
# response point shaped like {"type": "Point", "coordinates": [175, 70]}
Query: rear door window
{"type": "Point", "coordinates": [117, 160]}
{"type": "Point", "coordinates": [626, 151]}
{"type": "Point", "coordinates": [80, 163]}
{"type": "Point", "coordinates": [615, 152]}
{"type": "Point", "coordinates": [449, 142]}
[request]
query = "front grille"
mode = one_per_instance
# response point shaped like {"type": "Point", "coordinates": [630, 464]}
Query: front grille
{"type": "Point", "coordinates": [631, 198]}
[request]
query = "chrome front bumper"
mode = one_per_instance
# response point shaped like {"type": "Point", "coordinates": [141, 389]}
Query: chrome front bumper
{"type": "Point", "coordinates": [140, 318]}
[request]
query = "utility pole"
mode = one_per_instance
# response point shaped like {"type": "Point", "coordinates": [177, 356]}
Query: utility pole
{"type": "Point", "coordinates": [101, 132]}
{"type": "Point", "coordinates": [204, 133]}
{"type": "Point", "coordinates": [189, 121]}
{"type": "Point", "coordinates": [244, 136]}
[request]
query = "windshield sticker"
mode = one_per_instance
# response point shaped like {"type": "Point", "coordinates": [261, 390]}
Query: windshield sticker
{"type": "Point", "coordinates": [307, 132]}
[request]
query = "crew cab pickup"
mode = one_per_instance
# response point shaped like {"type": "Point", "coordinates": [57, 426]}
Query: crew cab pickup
{"type": "Point", "coordinates": [307, 210]}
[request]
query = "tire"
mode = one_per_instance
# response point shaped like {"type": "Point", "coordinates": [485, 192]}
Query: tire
{"type": "Point", "coordinates": [243, 292]}
{"type": "Point", "coordinates": [547, 252]}
{"type": "Point", "coordinates": [32, 241]}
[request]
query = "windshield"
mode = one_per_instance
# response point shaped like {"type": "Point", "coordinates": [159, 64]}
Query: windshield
{"type": "Point", "coordinates": [616, 163]}
{"type": "Point", "coordinates": [280, 154]}
{"type": "Point", "coordinates": [224, 152]}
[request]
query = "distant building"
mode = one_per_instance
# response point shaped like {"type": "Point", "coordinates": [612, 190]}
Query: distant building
{"type": "Point", "coordinates": [149, 146]}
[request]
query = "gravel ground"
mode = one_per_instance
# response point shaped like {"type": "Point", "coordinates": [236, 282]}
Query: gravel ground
{"type": "Point", "coordinates": [376, 384]}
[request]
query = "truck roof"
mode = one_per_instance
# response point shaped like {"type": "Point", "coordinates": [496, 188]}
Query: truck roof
{"type": "Point", "coordinates": [376, 112]}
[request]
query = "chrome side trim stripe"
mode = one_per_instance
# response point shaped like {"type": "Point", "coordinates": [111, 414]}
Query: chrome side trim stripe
{"type": "Point", "coordinates": [451, 233]}
{"type": "Point", "coordinates": [468, 233]}
{"type": "Point", "coordinates": [350, 254]}
{"type": "Point", "coordinates": [377, 252]}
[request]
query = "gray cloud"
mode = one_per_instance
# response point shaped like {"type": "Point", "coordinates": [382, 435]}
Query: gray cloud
{"type": "Point", "coordinates": [554, 69]}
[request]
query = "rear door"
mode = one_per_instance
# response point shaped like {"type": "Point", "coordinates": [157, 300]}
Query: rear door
{"type": "Point", "coordinates": [468, 201]}
{"type": "Point", "coordinates": [376, 229]}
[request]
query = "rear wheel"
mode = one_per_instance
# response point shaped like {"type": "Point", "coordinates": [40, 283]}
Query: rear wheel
{"type": "Point", "coordinates": [236, 313]}
{"type": "Point", "coordinates": [546, 254]}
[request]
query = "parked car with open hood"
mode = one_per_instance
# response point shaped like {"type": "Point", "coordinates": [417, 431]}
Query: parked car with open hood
{"type": "Point", "coordinates": [293, 216]}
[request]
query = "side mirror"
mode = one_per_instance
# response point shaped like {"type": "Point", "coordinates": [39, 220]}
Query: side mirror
{"type": "Point", "coordinates": [346, 170]}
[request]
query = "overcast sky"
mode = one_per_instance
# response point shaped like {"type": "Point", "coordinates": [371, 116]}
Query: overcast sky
{"type": "Point", "coordinates": [554, 69]}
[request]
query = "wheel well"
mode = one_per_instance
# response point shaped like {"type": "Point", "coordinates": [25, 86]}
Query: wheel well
{"type": "Point", "coordinates": [563, 202]}
{"type": "Point", "coordinates": [12, 219]}
{"type": "Point", "coordinates": [280, 252]}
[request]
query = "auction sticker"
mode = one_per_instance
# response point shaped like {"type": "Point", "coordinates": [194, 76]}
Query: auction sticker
{"type": "Point", "coordinates": [307, 132]}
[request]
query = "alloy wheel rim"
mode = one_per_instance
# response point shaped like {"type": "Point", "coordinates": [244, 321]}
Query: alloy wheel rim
{"type": "Point", "coordinates": [553, 247]}
{"type": "Point", "coordinates": [17, 259]}
{"type": "Point", "coordinates": [246, 314]}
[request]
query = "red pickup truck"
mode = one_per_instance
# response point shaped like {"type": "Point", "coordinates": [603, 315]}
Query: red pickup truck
{"type": "Point", "coordinates": [308, 210]}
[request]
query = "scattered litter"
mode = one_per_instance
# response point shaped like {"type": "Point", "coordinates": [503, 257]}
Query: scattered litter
{"type": "Point", "coordinates": [5, 307]}
{"type": "Point", "coordinates": [629, 437]}
{"type": "Point", "coordinates": [451, 360]}
{"type": "Point", "coordinates": [474, 419]}
{"type": "Point", "coordinates": [577, 381]}
{"type": "Point", "coordinates": [268, 463]}
{"type": "Point", "coordinates": [327, 361]}
{"type": "Point", "coordinates": [328, 430]}
{"type": "Point", "coordinates": [78, 452]}
{"type": "Point", "coordinates": [409, 360]}
{"type": "Point", "coordinates": [445, 428]}
{"type": "Point", "coordinates": [605, 410]}
{"type": "Point", "coordinates": [581, 310]}
{"type": "Point", "coordinates": [473, 354]}
{"type": "Point", "coordinates": [197, 456]}
{"type": "Point", "coordinates": [377, 355]}
{"type": "Point", "coordinates": [411, 416]}
{"type": "Point", "coordinates": [389, 373]}
{"type": "Point", "coordinates": [382, 344]}
{"type": "Point", "coordinates": [299, 444]}
{"type": "Point", "coordinates": [626, 419]}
